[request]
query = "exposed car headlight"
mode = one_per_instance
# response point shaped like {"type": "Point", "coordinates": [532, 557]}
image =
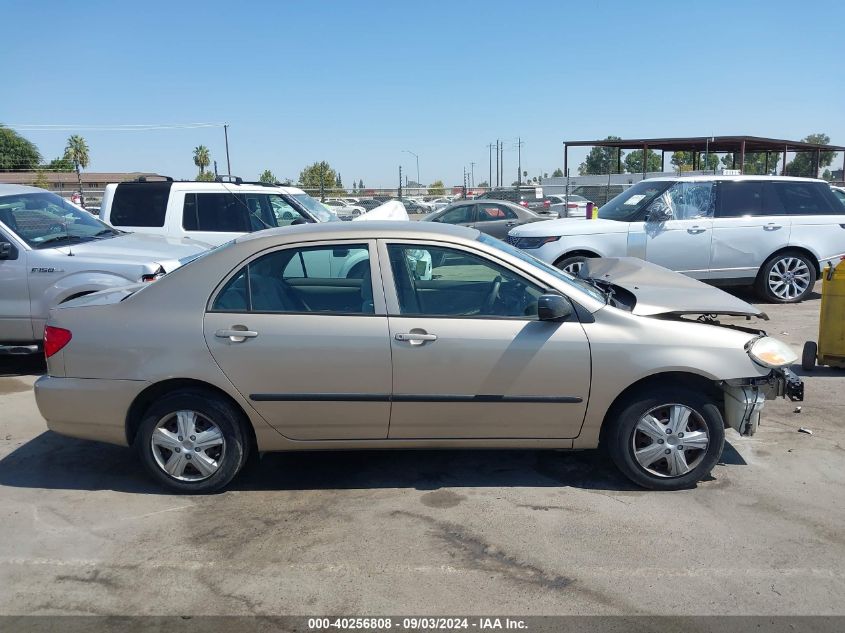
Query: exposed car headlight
{"type": "Point", "coordinates": [770, 352]}
{"type": "Point", "coordinates": [534, 242]}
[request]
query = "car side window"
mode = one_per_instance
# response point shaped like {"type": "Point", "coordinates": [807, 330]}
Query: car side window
{"type": "Point", "coordinates": [284, 213]}
{"type": "Point", "coordinates": [215, 212]}
{"type": "Point", "coordinates": [323, 279]}
{"type": "Point", "coordinates": [489, 212]}
{"type": "Point", "coordinates": [690, 200]}
{"type": "Point", "coordinates": [806, 198]}
{"type": "Point", "coordinates": [458, 284]}
{"type": "Point", "coordinates": [738, 198]}
{"type": "Point", "coordinates": [458, 215]}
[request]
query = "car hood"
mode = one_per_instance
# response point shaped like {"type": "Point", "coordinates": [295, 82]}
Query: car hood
{"type": "Point", "coordinates": [570, 226]}
{"type": "Point", "coordinates": [662, 291]}
{"type": "Point", "coordinates": [139, 248]}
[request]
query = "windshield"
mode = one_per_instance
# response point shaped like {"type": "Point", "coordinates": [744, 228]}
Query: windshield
{"type": "Point", "coordinates": [315, 208]}
{"type": "Point", "coordinates": [44, 220]}
{"type": "Point", "coordinates": [631, 204]}
{"type": "Point", "coordinates": [568, 279]}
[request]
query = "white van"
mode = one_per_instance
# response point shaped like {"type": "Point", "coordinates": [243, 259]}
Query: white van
{"type": "Point", "coordinates": [775, 233]}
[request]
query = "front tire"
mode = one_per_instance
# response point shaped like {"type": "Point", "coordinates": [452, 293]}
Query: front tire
{"type": "Point", "coordinates": [786, 277]}
{"type": "Point", "coordinates": [666, 438]}
{"type": "Point", "coordinates": [572, 264]}
{"type": "Point", "coordinates": [192, 442]}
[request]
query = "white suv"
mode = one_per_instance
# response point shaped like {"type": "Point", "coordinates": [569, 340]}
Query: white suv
{"type": "Point", "coordinates": [210, 212]}
{"type": "Point", "coordinates": [775, 233]}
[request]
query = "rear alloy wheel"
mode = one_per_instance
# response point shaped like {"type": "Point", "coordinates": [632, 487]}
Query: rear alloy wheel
{"type": "Point", "coordinates": [192, 442]}
{"type": "Point", "coordinates": [666, 440]}
{"type": "Point", "coordinates": [786, 278]}
{"type": "Point", "coordinates": [571, 265]}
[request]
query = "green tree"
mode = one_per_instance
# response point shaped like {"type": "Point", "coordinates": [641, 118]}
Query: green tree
{"type": "Point", "coordinates": [804, 163]}
{"type": "Point", "coordinates": [634, 162]}
{"type": "Point", "coordinates": [338, 181]}
{"type": "Point", "coordinates": [267, 176]}
{"type": "Point", "coordinates": [557, 173]}
{"type": "Point", "coordinates": [682, 161]}
{"type": "Point", "coordinates": [602, 160]}
{"type": "Point", "coordinates": [76, 151]}
{"type": "Point", "coordinates": [206, 176]}
{"type": "Point", "coordinates": [16, 152]}
{"type": "Point", "coordinates": [755, 162]}
{"type": "Point", "coordinates": [437, 189]}
{"type": "Point", "coordinates": [360, 186]}
{"type": "Point", "coordinates": [827, 175]}
{"type": "Point", "coordinates": [318, 176]}
{"type": "Point", "coordinates": [60, 165]}
{"type": "Point", "coordinates": [41, 180]}
{"type": "Point", "coordinates": [202, 158]}
{"type": "Point", "coordinates": [483, 184]}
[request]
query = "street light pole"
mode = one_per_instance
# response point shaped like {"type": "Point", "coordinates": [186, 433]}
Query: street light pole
{"type": "Point", "coordinates": [226, 136]}
{"type": "Point", "coordinates": [419, 183]}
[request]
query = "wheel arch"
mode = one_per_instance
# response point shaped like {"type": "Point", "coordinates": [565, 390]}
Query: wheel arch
{"type": "Point", "coordinates": [685, 379]}
{"type": "Point", "coordinates": [145, 399]}
{"type": "Point", "coordinates": [795, 249]}
{"type": "Point", "coordinates": [577, 252]}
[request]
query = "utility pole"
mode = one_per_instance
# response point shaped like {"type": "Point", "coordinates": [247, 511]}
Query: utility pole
{"type": "Point", "coordinates": [419, 182]}
{"type": "Point", "coordinates": [226, 136]}
{"type": "Point", "coordinates": [322, 183]}
{"type": "Point", "coordinates": [519, 162]}
{"type": "Point", "coordinates": [215, 170]}
{"type": "Point", "coordinates": [464, 188]}
{"type": "Point", "coordinates": [497, 162]}
{"type": "Point", "coordinates": [400, 182]}
{"type": "Point", "coordinates": [472, 176]}
{"type": "Point", "coordinates": [502, 163]}
{"type": "Point", "coordinates": [490, 158]}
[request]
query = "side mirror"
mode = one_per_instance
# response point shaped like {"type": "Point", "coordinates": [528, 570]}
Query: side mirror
{"type": "Point", "coordinates": [552, 307]}
{"type": "Point", "coordinates": [5, 250]}
{"type": "Point", "coordinates": [659, 212]}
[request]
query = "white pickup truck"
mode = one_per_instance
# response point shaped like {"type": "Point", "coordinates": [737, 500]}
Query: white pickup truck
{"type": "Point", "coordinates": [52, 251]}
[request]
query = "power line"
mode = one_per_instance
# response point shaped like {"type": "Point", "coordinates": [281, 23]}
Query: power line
{"type": "Point", "coordinates": [130, 127]}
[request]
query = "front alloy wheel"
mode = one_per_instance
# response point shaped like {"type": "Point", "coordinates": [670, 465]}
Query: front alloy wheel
{"type": "Point", "coordinates": [571, 265]}
{"type": "Point", "coordinates": [665, 438]}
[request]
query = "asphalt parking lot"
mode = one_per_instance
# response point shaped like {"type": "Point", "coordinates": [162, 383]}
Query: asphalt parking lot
{"type": "Point", "coordinates": [83, 531]}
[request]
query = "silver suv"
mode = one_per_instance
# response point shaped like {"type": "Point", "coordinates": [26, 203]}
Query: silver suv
{"type": "Point", "coordinates": [775, 233]}
{"type": "Point", "coordinates": [52, 251]}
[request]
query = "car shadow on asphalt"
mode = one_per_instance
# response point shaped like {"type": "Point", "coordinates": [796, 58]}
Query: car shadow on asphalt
{"type": "Point", "coordinates": [52, 461]}
{"type": "Point", "coordinates": [23, 365]}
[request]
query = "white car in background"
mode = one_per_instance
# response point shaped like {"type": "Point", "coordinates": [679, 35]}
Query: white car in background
{"type": "Point", "coordinates": [839, 192]}
{"type": "Point", "coordinates": [773, 233]}
{"type": "Point", "coordinates": [345, 209]}
{"type": "Point", "coordinates": [573, 206]}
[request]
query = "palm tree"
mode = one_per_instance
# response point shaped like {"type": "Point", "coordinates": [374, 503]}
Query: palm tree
{"type": "Point", "coordinates": [202, 159]}
{"type": "Point", "coordinates": [76, 151]}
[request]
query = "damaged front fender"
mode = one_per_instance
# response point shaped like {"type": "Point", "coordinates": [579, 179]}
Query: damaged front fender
{"type": "Point", "coordinates": [744, 398]}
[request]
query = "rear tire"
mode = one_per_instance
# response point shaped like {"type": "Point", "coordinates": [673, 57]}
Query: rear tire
{"type": "Point", "coordinates": [192, 441]}
{"type": "Point", "coordinates": [646, 434]}
{"type": "Point", "coordinates": [786, 277]}
{"type": "Point", "coordinates": [808, 356]}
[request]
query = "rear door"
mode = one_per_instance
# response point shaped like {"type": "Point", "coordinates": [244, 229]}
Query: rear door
{"type": "Point", "coordinates": [750, 225]}
{"type": "Point", "coordinates": [314, 356]}
{"type": "Point", "coordinates": [816, 215]}
{"type": "Point", "coordinates": [215, 217]}
{"type": "Point", "coordinates": [495, 219]}
{"type": "Point", "coordinates": [15, 321]}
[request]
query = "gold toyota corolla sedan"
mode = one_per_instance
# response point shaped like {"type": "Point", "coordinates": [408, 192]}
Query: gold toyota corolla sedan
{"type": "Point", "coordinates": [405, 335]}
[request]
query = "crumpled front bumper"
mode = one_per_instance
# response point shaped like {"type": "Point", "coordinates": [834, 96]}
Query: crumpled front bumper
{"type": "Point", "coordinates": [744, 399]}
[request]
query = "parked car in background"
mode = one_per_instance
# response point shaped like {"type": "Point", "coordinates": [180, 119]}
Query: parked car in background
{"type": "Point", "coordinates": [493, 350]}
{"type": "Point", "coordinates": [345, 209]}
{"type": "Point", "coordinates": [369, 204]}
{"type": "Point", "coordinates": [413, 207]}
{"type": "Point", "coordinates": [493, 217]}
{"type": "Point", "coordinates": [775, 233]}
{"type": "Point", "coordinates": [210, 212]}
{"type": "Point", "coordinates": [440, 203]}
{"type": "Point", "coordinates": [51, 252]}
{"type": "Point", "coordinates": [526, 197]}
{"type": "Point", "coordinates": [839, 192]}
{"type": "Point", "coordinates": [571, 206]}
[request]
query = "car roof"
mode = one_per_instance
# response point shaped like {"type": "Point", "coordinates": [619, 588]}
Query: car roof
{"type": "Point", "coordinates": [361, 230]}
{"type": "Point", "coordinates": [11, 190]}
{"type": "Point", "coordinates": [706, 177]}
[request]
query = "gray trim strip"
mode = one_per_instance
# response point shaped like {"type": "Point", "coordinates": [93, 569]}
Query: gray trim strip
{"type": "Point", "coordinates": [380, 397]}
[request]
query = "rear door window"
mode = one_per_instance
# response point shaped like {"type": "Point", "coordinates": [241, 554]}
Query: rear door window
{"type": "Point", "coordinates": [215, 212]}
{"type": "Point", "coordinates": [488, 212]}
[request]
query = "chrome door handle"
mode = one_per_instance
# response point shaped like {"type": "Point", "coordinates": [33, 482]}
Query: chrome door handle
{"type": "Point", "coordinates": [511, 223]}
{"type": "Point", "coordinates": [771, 226]}
{"type": "Point", "coordinates": [695, 230]}
{"type": "Point", "coordinates": [236, 335]}
{"type": "Point", "coordinates": [414, 338]}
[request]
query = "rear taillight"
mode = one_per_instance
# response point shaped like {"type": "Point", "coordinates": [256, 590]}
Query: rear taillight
{"type": "Point", "coordinates": [546, 204]}
{"type": "Point", "coordinates": [55, 338]}
{"type": "Point", "coordinates": [523, 203]}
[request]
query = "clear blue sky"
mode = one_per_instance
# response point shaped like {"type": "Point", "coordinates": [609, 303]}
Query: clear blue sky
{"type": "Point", "coordinates": [356, 83]}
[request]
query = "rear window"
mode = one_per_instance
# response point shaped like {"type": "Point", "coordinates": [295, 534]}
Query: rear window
{"type": "Point", "coordinates": [140, 204]}
{"type": "Point", "coordinates": [215, 212]}
{"type": "Point", "coordinates": [747, 198]}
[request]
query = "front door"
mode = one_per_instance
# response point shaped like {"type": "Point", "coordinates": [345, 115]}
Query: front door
{"type": "Point", "coordinates": [15, 321]}
{"type": "Point", "coordinates": [681, 241]}
{"type": "Point", "coordinates": [470, 358]}
{"type": "Point", "coordinates": [306, 345]}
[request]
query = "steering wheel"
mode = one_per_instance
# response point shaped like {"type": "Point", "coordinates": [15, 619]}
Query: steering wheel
{"type": "Point", "coordinates": [490, 301]}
